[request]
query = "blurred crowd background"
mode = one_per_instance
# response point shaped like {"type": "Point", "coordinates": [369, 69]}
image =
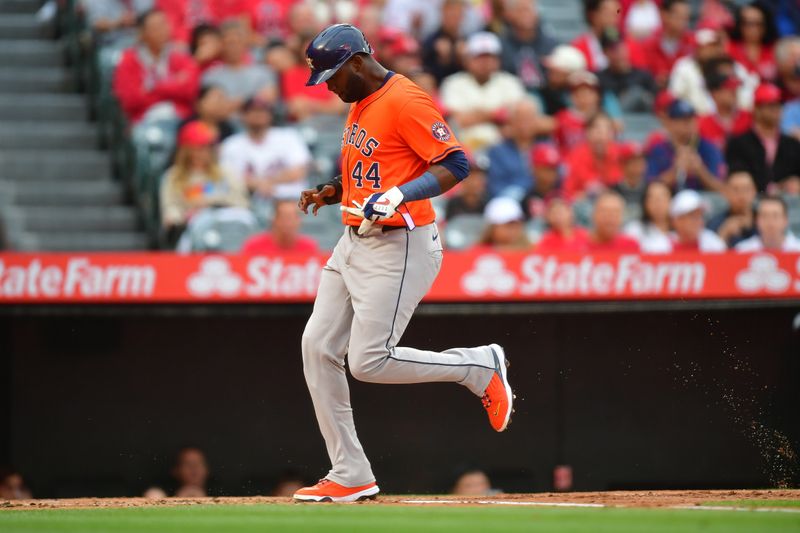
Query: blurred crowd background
{"type": "Point", "coordinates": [590, 124]}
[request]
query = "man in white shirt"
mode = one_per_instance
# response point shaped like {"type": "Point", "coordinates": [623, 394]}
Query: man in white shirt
{"type": "Point", "coordinates": [478, 98]}
{"type": "Point", "coordinates": [691, 235]}
{"type": "Point", "coordinates": [272, 162]}
{"type": "Point", "coordinates": [772, 221]}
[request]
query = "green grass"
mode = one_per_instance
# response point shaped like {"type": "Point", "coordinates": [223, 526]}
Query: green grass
{"type": "Point", "coordinates": [379, 519]}
{"type": "Point", "coordinates": [756, 503]}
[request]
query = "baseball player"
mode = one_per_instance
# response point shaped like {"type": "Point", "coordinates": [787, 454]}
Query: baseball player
{"type": "Point", "coordinates": [397, 152]}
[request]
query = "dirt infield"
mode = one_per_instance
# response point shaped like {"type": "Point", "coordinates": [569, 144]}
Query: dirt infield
{"type": "Point", "coordinates": [651, 499]}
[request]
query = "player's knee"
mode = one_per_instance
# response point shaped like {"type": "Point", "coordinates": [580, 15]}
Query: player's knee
{"type": "Point", "coordinates": [365, 368]}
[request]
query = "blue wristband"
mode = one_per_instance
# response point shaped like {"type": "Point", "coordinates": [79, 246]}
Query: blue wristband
{"type": "Point", "coordinates": [425, 186]}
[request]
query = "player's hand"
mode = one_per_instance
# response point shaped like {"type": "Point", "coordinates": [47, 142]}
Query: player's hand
{"type": "Point", "coordinates": [316, 198]}
{"type": "Point", "coordinates": [382, 205]}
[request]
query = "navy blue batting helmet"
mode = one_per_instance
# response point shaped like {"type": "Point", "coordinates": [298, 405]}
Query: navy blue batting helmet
{"type": "Point", "coordinates": [332, 48]}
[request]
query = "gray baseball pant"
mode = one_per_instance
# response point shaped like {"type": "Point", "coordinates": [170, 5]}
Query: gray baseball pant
{"type": "Point", "coordinates": [369, 289]}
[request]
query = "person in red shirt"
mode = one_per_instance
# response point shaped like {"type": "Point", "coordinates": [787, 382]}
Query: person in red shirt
{"type": "Point", "coordinates": [284, 236]}
{"type": "Point", "coordinates": [607, 218]}
{"type": "Point", "coordinates": [728, 120]}
{"type": "Point", "coordinates": [752, 40]}
{"type": "Point", "coordinates": [563, 235]}
{"type": "Point", "coordinates": [153, 72]}
{"type": "Point", "coordinates": [586, 103]}
{"type": "Point", "coordinates": [601, 16]}
{"type": "Point", "coordinates": [658, 54]}
{"type": "Point", "coordinates": [593, 164]}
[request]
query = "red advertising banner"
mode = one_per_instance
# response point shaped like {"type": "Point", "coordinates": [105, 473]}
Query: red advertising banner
{"type": "Point", "coordinates": [465, 277]}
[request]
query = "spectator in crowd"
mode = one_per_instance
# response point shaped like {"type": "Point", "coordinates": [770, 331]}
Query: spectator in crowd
{"type": "Point", "coordinates": [12, 486]}
{"type": "Point", "coordinates": [478, 99]}
{"type": "Point", "coordinates": [562, 234]}
{"type": "Point", "coordinates": [546, 162]}
{"type": "Point", "coordinates": [586, 102]}
{"type": "Point", "coordinates": [770, 156]}
{"type": "Point", "coordinates": [716, 14]}
{"type": "Point", "coordinates": [686, 80]}
{"type": "Point", "coordinates": [652, 230]}
{"type": "Point", "coordinates": [691, 235]}
{"type": "Point", "coordinates": [772, 221]}
{"type": "Point", "coordinates": [593, 165]}
{"type": "Point", "coordinates": [753, 38]}
{"type": "Point", "coordinates": [205, 45]}
{"type": "Point", "coordinates": [634, 168]}
{"type": "Point", "coordinates": [510, 172]}
{"type": "Point", "coordinates": [271, 162]}
{"type": "Point", "coordinates": [659, 53]}
{"type": "Point", "coordinates": [607, 218]}
{"type": "Point", "coordinates": [559, 65]}
{"type": "Point", "coordinates": [442, 50]}
{"type": "Point", "coordinates": [212, 109]}
{"type": "Point", "coordinates": [790, 119]}
{"type": "Point", "coordinates": [113, 21]}
{"type": "Point", "coordinates": [640, 19]}
{"type": "Point", "coordinates": [195, 181]}
{"type": "Point", "coordinates": [237, 74]}
{"type": "Point", "coordinates": [727, 119]}
{"type": "Point", "coordinates": [634, 87]}
{"type": "Point", "coordinates": [505, 228]}
{"type": "Point", "coordinates": [602, 16]}
{"type": "Point", "coordinates": [661, 110]}
{"type": "Point", "coordinates": [304, 21]}
{"type": "Point", "coordinates": [191, 473]}
{"type": "Point", "coordinates": [154, 493]}
{"type": "Point", "coordinates": [302, 101]}
{"type": "Point", "coordinates": [787, 58]}
{"type": "Point", "coordinates": [289, 482]}
{"type": "Point", "coordinates": [284, 235]}
{"type": "Point", "coordinates": [472, 482]}
{"type": "Point", "coordinates": [736, 223]}
{"type": "Point", "coordinates": [685, 159]}
{"type": "Point", "coordinates": [525, 42]}
{"type": "Point", "coordinates": [402, 54]}
{"type": "Point", "coordinates": [470, 198]}
{"type": "Point", "coordinates": [154, 74]}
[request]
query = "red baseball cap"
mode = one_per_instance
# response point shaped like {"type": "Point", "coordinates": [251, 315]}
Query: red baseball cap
{"type": "Point", "coordinates": [662, 101]}
{"type": "Point", "coordinates": [629, 150]}
{"type": "Point", "coordinates": [766, 94]}
{"type": "Point", "coordinates": [404, 45]}
{"type": "Point", "coordinates": [196, 133]}
{"type": "Point", "coordinates": [545, 155]}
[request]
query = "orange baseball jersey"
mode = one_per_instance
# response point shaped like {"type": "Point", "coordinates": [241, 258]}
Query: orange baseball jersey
{"type": "Point", "coordinates": [391, 137]}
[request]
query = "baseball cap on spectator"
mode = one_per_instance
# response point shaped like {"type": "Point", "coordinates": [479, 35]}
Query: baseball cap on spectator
{"type": "Point", "coordinates": [662, 101]}
{"type": "Point", "coordinates": [403, 45]}
{"type": "Point", "coordinates": [680, 109]}
{"type": "Point", "coordinates": [196, 133]}
{"type": "Point", "coordinates": [629, 150]}
{"type": "Point", "coordinates": [565, 58]}
{"type": "Point", "coordinates": [705, 36]}
{"type": "Point", "coordinates": [685, 202]}
{"type": "Point", "coordinates": [502, 210]}
{"type": "Point", "coordinates": [583, 78]}
{"type": "Point", "coordinates": [545, 155]}
{"type": "Point", "coordinates": [254, 102]}
{"type": "Point", "coordinates": [767, 94]}
{"type": "Point", "coordinates": [720, 80]}
{"type": "Point", "coordinates": [482, 43]}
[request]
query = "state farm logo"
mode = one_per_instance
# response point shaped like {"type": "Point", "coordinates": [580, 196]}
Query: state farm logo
{"type": "Point", "coordinates": [259, 277]}
{"type": "Point", "coordinates": [489, 276]}
{"type": "Point", "coordinates": [214, 277]}
{"type": "Point", "coordinates": [763, 274]}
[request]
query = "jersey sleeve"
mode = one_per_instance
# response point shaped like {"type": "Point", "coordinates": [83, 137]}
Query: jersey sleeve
{"type": "Point", "coordinates": [425, 131]}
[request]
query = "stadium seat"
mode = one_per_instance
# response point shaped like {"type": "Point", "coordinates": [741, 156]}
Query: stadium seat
{"type": "Point", "coordinates": [463, 231]}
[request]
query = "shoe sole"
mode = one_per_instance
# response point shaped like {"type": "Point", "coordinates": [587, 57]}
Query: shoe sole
{"type": "Point", "coordinates": [500, 353]}
{"type": "Point", "coordinates": [366, 494]}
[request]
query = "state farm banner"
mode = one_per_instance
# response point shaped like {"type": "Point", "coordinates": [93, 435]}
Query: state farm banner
{"type": "Point", "coordinates": [465, 277]}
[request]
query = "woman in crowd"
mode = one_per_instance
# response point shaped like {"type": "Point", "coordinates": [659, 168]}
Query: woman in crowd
{"type": "Point", "coordinates": [563, 235]}
{"type": "Point", "coordinates": [753, 38]}
{"type": "Point", "coordinates": [652, 231]}
{"type": "Point", "coordinates": [195, 181]}
{"type": "Point", "coordinates": [593, 165]}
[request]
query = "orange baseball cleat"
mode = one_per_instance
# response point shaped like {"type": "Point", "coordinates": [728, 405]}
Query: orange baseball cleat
{"type": "Point", "coordinates": [498, 399]}
{"type": "Point", "coordinates": [330, 491]}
